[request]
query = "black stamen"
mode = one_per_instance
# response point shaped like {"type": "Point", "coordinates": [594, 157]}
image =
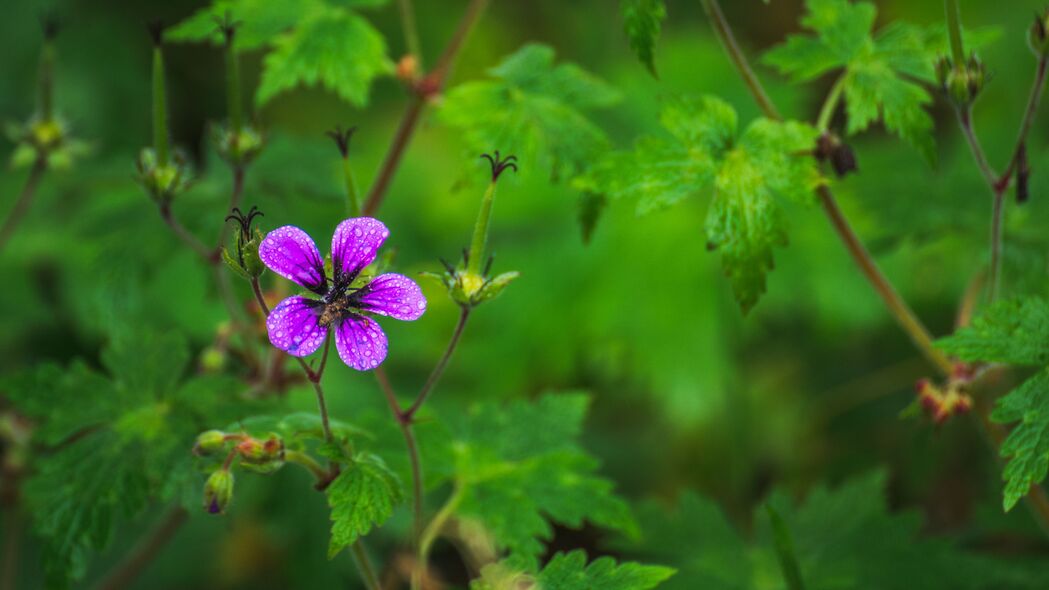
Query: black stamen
{"type": "Point", "coordinates": [488, 265]}
{"type": "Point", "coordinates": [244, 219]}
{"type": "Point", "coordinates": [342, 138]}
{"type": "Point", "coordinates": [466, 256]}
{"type": "Point", "coordinates": [156, 31]}
{"type": "Point", "coordinates": [499, 164]}
{"type": "Point", "coordinates": [227, 26]}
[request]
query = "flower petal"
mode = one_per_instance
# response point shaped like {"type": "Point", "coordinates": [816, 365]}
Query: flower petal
{"type": "Point", "coordinates": [293, 327]}
{"type": "Point", "coordinates": [361, 342]}
{"type": "Point", "coordinates": [394, 295]}
{"type": "Point", "coordinates": [354, 245]}
{"type": "Point", "coordinates": [291, 253]}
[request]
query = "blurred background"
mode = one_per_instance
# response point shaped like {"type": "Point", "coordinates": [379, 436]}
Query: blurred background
{"type": "Point", "coordinates": [688, 394]}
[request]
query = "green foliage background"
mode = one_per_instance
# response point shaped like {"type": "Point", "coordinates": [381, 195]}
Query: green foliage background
{"type": "Point", "coordinates": [690, 404]}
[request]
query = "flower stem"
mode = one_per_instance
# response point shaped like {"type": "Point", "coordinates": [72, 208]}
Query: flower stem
{"type": "Point", "coordinates": [1034, 98]}
{"type": "Point", "coordinates": [413, 453]}
{"type": "Point", "coordinates": [182, 233]}
{"type": "Point", "coordinates": [411, 32]}
{"type": "Point", "coordinates": [830, 104]}
{"type": "Point", "coordinates": [435, 81]}
{"type": "Point", "coordinates": [728, 42]}
{"type": "Point", "coordinates": [954, 29]}
{"type": "Point", "coordinates": [24, 199]}
{"type": "Point", "coordinates": [148, 548]}
{"type": "Point", "coordinates": [430, 534]}
{"type": "Point", "coordinates": [966, 123]}
{"type": "Point", "coordinates": [438, 370]}
{"type": "Point", "coordinates": [480, 237]}
{"type": "Point", "coordinates": [233, 106]}
{"type": "Point", "coordinates": [308, 462]}
{"type": "Point", "coordinates": [364, 566]}
{"type": "Point", "coordinates": [160, 109]}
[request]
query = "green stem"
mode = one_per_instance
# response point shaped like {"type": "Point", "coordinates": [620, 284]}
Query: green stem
{"type": "Point", "coordinates": [954, 29]}
{"type": "Point", "coordinates": [364, 566]}
{"type": "Point", "coordinates": [47, 82]}
{"type": "Point", "coordinates": [830, 104]}
{"type": "Point", "coordinates": [480, 238]}
{"type": "Point", "coordinates": [236, 117]}
{"type": "Point", "coordinates": [411, 32]}
{"type": "Point", "coordinates": [353, 201]}
{"type": "Point", "coordinates": [308, 462]}
{"type": "Point", "coordinates": [432, 531]}
{"type": "Point", "coordinates": [438, 370]}
{"type": "Point", "coordinates": [160, 115]}
{"type": "Point", "coordinates": [24, 199]}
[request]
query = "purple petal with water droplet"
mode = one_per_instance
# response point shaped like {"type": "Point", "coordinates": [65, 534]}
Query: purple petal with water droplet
{"type": "Point", "coordinates": [394, 295]}
{"type": "Point", "coordinates": [355, 244]}
{"type": "Point", "coordinates": [291, 253]}
{"type": "Point", "coordinates": [293, 327]}
{"type": "Point", "coordinates": [361, 343]}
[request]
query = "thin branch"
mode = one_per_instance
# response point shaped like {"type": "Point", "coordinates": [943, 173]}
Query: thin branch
{"type": "Point", "coordinates": [411, 32]}
{"type": "Point", "coordinates": [24, 199]}
{"type": "Point", "coordinates": [728, 41]}
{"type": "Point", "coordinates": [965, 121]}
{"type": "Point", "coordinates": [183, 234]}
{"type": "Point", "coordinates": [413, 453]}
{"type": "Point", "coordinates": [438, 370]}
{"type": "Point", "coordinates": [364, 566]}
{"type": "Point", "coordinates": [1033, 101]}
{"type": "Point", "coordinates": [431, 85]}
{"type": "Point", "coordinates": [148, 548]}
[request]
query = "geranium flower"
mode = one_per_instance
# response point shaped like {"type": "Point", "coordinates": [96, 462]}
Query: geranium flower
{"type": "Point", "coordinates": [299, 325]}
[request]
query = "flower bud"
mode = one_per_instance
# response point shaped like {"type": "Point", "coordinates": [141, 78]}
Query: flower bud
{"type": "Point", "coordinates": [218, 491]}
{"type": "Point", "coordinates": [163, 182]}
{"type": "Point", "coordinates": [208, 442]}
{"type": "Point", "coordinates": [238, 147]}
{"type": "Point", "coordinates": [961, 82]}
{"type": "Point", "coordinates": [269, 452]}
{"type": "Point", "coordinates": [244, 259]}
{"type": "Point", "coordinates": [1038, 34]}
{"type": "Point", "coordinates": [408, 69]}
{"type": "Point", "coordinates": [829, 147]}
{"type": "Point", "coordinates": [942, 403]}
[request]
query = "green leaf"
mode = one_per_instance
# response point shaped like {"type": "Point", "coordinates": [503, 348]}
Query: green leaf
{"type": "Point", "coordinates": [361, 497]}
{"type": "Point", "coordinates": [533, 109]}
{"type": "Point", "coordinates": [118, 441]}
{"type": "Point", "coordinates": [1027, 446]}
{"type": "Point", "coordinates": [877, 69]}
{"type": "Point", "coordinates": [569, 571]}
{"type": "Point", "coordinates": [336, 49]}
{"type": "Point", "coordinates": [518, 468]}
{"type": "Point", "coordinates": [643, 22]}
{"type": "Point", "coordinates": [843, 538]}
{"type": "Point", "coordinates": [1009, 331]}
{"type": "Point", "coordinates": [748, 174]}
{"type": "Point", "coordinates": [261, 21]}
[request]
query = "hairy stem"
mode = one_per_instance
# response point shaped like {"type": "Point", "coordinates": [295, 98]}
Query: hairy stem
{"type": "Point", "coordinates": [480, 237]}
{"type": "Point", "coordinates": [413, 453]}
{"type": "Point", "coordinates": [183, 234]}
{"type": "Point", "coordinates": [739, 60]}
{"type": "Point", "coordinates": [830, 104]}
{"type": "Point", "coordinates": [438, 370]}
{"type": "Point", "coordinates": [148, 548]}
{"type": "Point", "coordinates": [24, 199]}
{"type": "Point", "coordinates": [434, 81]}
{"type": "Point", "coordinates": [1033, 100]}
{"type": "Point", "coordinates": [965, 121]}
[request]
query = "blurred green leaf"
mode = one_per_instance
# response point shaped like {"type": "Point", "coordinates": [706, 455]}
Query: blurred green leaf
{"type": "Point", "coordinates": [643, 22]}
{"type": "Point", "coordinates": [361, 497]}
{"type": "Point", "coordinates": [570, 571]}
{"type": "Point", "coordinates": [1010, 331]}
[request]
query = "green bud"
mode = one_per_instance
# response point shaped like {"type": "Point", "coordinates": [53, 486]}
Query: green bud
{"type": "Point", "coordinates": [469, 289]}
{"type": "Point", "coordinates": [163, 182]}
{"type": "Point", "coordinates": [1038, 34]}
{"type": "Point", "coordinates": [961, 82]}
{"type": "Point", "coordinates": [493, 287]}
{"type": "Point", "coordinates": [237, 147]}
{"type": "Point", "coordinates": [212, 359]}
{"type": "Point", "coordinates": [218, 491]}
{"type": "Point", "coordinates": [208, 442]}
{"type": "Point", "coordinates": [262, 456]}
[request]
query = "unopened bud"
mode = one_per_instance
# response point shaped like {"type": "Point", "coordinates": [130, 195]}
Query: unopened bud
{"type": "Point", "coordinates": [830, 148]}
{"type": "Point", "coordinates": [218, 491]}
{"type": "Point", "coordinates": [211, 441]}
{"type": "Point", "coordinates": [961, 82]}
{"type": "Point", "coordinates": [1038, 34]}
{"type": "Point", "coordinates": [408, 69]}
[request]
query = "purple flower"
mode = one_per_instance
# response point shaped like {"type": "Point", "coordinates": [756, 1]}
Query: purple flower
{"type": "Point", "coordinates": [299, 325]}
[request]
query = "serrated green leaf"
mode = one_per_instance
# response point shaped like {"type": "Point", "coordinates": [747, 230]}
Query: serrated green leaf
{"type": "Point", "coordinates": [570, 571]}
{"type": "Point", "coordinates": [260, 21]}
{"type": "Point", "coordinates": [748, 174]}
{"type": "Point", "coordinates": [876, 67]}
{"type": "Point", "coordinates": [1009, 331]}
{"type": "Point", "coordinates": [1027, 446]}
{"type": "Point", "coordinates": [642, 20]}
{"type": "Point", "coordinates": [534, 110]}
{"type": "Point", "coordinates": [518, 468]}
{"type": "Point", "coordinates": [335, 49]}
{"type": "Point", "coordinates": [360, 498]}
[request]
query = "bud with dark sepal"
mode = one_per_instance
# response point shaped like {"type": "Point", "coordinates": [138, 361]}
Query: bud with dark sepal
{"type": "Point", "coordinates": [1038, 34]}
{"type": "Point", "coordinates": [830, 148]}
{"type": "Point", "coordinates": [218, 491]}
